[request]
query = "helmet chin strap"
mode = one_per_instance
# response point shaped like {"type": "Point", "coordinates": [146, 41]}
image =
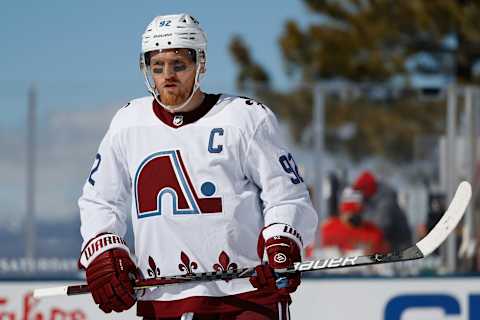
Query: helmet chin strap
{"type": "Point", "coordinates": [181, 107]}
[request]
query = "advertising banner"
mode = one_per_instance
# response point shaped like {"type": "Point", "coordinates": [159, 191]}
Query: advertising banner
{"type": "Point", "coordinates": [17, 303]}
{"type": "Point", "coordinates": [388, 299]}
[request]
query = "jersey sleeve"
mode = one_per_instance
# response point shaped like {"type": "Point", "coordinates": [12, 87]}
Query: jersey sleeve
{"type": "Point", "coordinates": [284, 195]}
{"type": "Point", "coordinates": [106, 193]}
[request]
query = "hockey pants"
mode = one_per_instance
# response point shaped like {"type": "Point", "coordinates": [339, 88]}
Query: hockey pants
{"type": "Point", "coordinates": [277, 311]}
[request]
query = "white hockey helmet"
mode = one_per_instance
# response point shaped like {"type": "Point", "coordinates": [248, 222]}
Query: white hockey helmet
{"type": "Point", "coordinates": [176, 31]}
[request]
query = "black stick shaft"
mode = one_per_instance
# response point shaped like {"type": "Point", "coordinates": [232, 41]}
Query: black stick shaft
{"type": "Point", "coordinates": [411, 253]}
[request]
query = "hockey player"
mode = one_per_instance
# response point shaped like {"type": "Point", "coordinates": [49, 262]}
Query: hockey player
{"type": "Point", "coordinates": [211, 186]}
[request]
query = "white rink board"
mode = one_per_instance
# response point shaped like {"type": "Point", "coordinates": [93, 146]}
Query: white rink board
{"type": "Point", "coordinates": [388, 299]}
{"type": "Point", "coordinates": [316, 299]}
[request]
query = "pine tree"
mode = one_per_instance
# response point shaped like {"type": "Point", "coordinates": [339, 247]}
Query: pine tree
{"type": "Point", "coordinates": [370, 41]}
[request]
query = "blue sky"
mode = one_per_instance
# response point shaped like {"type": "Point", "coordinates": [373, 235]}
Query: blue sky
{"type": "Point", "coordinates": [84, 54]}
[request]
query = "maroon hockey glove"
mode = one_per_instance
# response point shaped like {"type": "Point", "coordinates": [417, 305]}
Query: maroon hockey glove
{"type": "Point", "coordinates": [109, 279]}
{"type": "Point", "coordinates": [110, 274]}
{"type": "Point", "coordinates": [282, 252]}
{"type": "Point", "coordinates": [264, 278]}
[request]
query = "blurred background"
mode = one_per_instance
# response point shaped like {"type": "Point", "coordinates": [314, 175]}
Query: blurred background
{"type": "Point", "coordinates": [378, 101]}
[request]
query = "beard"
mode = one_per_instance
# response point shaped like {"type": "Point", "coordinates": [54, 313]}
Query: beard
{"type": "Point", "coordinates": [175, 96]}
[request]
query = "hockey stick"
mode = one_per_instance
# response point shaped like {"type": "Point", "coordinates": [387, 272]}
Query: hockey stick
{"type": "Point", "coordinates": [421, 249]}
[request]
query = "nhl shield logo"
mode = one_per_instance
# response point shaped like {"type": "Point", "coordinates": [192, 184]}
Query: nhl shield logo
{"type": "Point", "coordinates": [178, 120]}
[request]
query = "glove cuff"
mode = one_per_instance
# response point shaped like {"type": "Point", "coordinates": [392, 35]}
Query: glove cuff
{"type": "Point", "coordinates": [282, 230]}
{"type": "Point", "coordinates": [98, 245]}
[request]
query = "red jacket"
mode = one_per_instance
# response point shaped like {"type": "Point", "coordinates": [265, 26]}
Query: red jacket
{"type": "Point", "coordinates": [367, 236]}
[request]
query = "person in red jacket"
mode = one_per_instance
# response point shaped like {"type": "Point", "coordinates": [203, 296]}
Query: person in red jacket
{"type": "Point", "coordinates": [382, 208]}
{"type": "Point", "coordinates": [350, 231]}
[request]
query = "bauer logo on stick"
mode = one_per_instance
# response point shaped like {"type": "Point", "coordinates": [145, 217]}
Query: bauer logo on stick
{"type": "Point", "coordinates": [325, 264]}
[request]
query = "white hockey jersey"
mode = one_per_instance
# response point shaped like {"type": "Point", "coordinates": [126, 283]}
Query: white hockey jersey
{"type": "Point", "coordinates": [202, 185]}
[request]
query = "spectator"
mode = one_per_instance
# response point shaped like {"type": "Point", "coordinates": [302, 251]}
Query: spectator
{"type": "Point", "coordinates": [349, 231]}
{"type": "Point", "coordinates": [382, 208]}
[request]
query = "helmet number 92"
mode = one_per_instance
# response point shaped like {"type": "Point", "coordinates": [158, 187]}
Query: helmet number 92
{"type": "Point", "coordinates": [165, 23]}
{"type": "Point", "coordinates": [290, 167]}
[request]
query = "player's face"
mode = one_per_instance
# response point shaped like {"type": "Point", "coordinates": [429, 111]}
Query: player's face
{"type": "Point", "coordinates": [173, 72]}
